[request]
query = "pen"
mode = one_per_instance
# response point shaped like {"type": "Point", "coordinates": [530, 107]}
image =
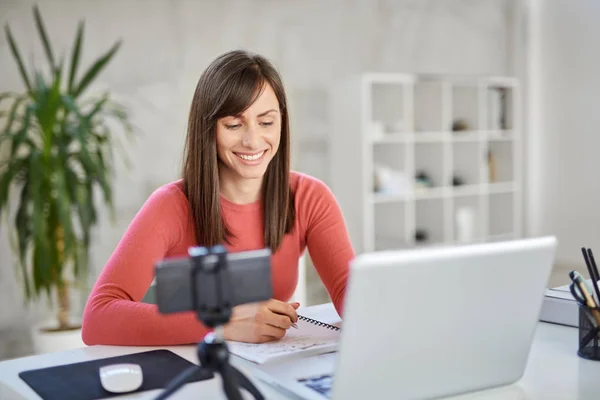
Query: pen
{"type": "Point", "coordinates": [589, 300]}
{"type": "Point", "coordinates": [593, 273]}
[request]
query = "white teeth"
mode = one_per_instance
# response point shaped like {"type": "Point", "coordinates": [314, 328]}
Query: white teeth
{"type": "Point", "coordinates": [250, 158]}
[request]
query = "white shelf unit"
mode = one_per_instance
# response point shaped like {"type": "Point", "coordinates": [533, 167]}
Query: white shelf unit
{"type": "Point", "coordinates": [460, 135]}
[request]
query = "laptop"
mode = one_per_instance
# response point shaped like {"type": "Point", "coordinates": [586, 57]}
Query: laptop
{"type": "Point", "coordinates": [429, 323]}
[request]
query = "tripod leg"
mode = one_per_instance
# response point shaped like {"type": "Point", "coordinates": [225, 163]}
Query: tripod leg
{"type": "Point", "coordinates": [230, 382]}
{"type": "Point", "coordinates": [177, 382]}
{"type": "Point", "coordinates": [214, 356]}
{"type": "Point", "coordinates": [246, 383]}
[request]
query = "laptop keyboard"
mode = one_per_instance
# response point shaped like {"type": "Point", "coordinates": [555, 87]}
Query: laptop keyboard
{"type": "Point", "coordinates": [319, 383]}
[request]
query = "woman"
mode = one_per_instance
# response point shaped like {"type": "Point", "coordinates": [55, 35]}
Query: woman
{"type": "Point", "coordinates": [236, 190]}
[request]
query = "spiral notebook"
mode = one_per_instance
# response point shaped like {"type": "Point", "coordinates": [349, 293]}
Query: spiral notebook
{"type": "Point", "coordinates": [311, 338]}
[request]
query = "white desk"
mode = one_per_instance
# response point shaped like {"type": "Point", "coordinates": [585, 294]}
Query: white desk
{"type": "Point", "coordinates": [554, 370]}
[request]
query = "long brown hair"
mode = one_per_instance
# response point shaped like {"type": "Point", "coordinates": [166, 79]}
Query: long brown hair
{"type": "Point", "coordinates": [229, 85]}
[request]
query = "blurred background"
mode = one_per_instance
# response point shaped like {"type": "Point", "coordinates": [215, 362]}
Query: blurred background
{"type": "Point", "coordinates": [479, 116]}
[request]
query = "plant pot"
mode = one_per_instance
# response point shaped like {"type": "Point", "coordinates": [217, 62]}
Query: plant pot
{"type": "Point", "coordinates": [47, 338]}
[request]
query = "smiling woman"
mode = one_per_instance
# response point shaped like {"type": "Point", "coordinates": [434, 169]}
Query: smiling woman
{"type": "Point", "coordinates": [246, 144]}
{"type": "Point", "coordinates": [237, 190]}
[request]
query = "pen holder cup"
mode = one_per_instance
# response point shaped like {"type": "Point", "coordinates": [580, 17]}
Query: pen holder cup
{"type": "Point", "coordinates": [589, 334]}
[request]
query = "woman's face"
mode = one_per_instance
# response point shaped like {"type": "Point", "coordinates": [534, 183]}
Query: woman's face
{"type": "Point", "coordinates": [246, 143]}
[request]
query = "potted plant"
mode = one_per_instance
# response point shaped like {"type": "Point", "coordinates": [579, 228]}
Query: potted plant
{"type": "Point", "coordinates": [56, 150]}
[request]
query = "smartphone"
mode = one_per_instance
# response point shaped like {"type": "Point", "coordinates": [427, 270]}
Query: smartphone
{"type": "Point", "coordinates": [248, 274]}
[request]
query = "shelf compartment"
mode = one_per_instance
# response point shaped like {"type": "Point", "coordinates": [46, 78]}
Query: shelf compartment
{"type": "Point", "coordinates": [428, 106]}
{"type": "Point", "coordinates": [500, 162]}
{"type": "Point", "coordinates": [466, 164]}
{"type": "Point", "coordinates": [388, 102]}
{"type": "Point", "coordinates": [389, 226]}
{"type": "Point", "coordinates": [389, 166]}
{"type": "Point", "coordinates": [499, 105]}
{"type": "Point", "coordinates": [429, 161]}
{"type": "Point", "coordinates": [465, 108]}
{"type": "Point", "coordinates": [501, 214]}
{"type": "Point", "coordinates": [467, 219]}
{"type": "Point", "coordinates": [429, 217]}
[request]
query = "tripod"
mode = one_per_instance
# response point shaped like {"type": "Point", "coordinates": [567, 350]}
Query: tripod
{"type": "Point", "coordinates": [214, 311]}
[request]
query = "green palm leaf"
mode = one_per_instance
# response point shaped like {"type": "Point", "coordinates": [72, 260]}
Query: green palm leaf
{"type": "Point", "coordinates": [17, 56]}
{"type": "Point", "coordinates": [8, 96]}
{"type": "Point", "coordinates": [39, 23]}
{"type": "Point", "coordinates": [20, 136]}
{"type": "Point", "coordinates": [15, 166]}
{"type": "Point", "coordinates": [12, 115]}
{"type": "Point", "coordinates": [23, 220]}
{"type": "Point", "coordinates": [63, 200]}
{"type": "Point", "coordinates": [75, 57]}
{"type": "Point", "coordinates": [37, 192]}
{"type": "Point", "coordinates": [95, 69]}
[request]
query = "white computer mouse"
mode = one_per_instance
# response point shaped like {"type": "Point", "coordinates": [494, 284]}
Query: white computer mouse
{"type": "Point", "coordinates": [121, 378]}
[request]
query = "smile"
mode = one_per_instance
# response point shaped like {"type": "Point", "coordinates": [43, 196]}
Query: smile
{"type": "Point", "coordinates": [250, 157]}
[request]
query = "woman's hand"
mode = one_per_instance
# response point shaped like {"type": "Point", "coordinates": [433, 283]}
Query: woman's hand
{"type": "Point", "coordinates": [261, 322]}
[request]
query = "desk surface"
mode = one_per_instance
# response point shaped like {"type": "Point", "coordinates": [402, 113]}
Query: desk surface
{"type": "Point", "coordinates": [554, 371]}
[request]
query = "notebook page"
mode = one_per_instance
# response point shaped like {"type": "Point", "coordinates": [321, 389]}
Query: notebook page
{"type": "Point", "coordinates": [308, 339]}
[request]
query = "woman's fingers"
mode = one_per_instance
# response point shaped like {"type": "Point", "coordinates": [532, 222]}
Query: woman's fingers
{"type": "Point", "coordinates": [268, 317]}
{"type": "Point", "coordinates": [279, 307]}
{"type": "Point", "coordinates": [280, 321]}
{"type": "Point", "coordinates": [261, 322]}
{"type": "Point", "coordinates": [272, 332]}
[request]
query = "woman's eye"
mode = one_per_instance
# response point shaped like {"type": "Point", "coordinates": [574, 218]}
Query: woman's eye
{"type": "Point", "coordinates": [232, 126]}
{"type": "Point", "coordinates": [266, 123]}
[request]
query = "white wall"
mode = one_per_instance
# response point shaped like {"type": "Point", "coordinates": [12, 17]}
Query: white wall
{"type": "Point", "coordinates": [564, 84]}
{"type": "Point", "coordinates": [167, 43]}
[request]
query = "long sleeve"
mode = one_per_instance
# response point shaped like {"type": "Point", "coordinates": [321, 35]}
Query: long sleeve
{"type": "Point", "coordinates": [327, 238]}
{"type": "Point", "coordinates": [114, 314]}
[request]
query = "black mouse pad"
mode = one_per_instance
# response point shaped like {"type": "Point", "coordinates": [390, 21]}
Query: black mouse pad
{"type": "Point", "coordinates": [81, 381]}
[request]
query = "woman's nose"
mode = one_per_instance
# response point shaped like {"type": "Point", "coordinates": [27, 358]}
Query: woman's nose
{"type": "Point", "coordinates": [250, 138]}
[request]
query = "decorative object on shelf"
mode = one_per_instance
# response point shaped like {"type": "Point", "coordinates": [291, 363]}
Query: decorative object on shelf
{"type": "Point", "coordinates": [422, 180]}
{"type": "Point", "coordinates": [396, 126]}
{"type": "Point", "coordinates": [457, 181]}
{"type": "Point", "coordinates": [460, 125]}
{"type": "Point", "coordinates": [491, 166]}
{"type": "Point", "coordinates": [61, 153]}
{"type": "Point", "coordinates": [377, 129]}
{"type": "Point", "coordinates": [421, 235]}
{"type": "Point", "coordinates": [497, 105]}
{"type": "Point", "coordinates": [465, 223]}
{"type": "Point", "coordinates": [389, 181]}
{"type": "Point", "coordinates": [494, 108]}
{"type": "Point", "coordinates": [503, 99]}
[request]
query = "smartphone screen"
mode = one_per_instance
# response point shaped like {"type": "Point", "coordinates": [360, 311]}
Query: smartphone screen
{"type": "Point", "coordinates": [248, 274]}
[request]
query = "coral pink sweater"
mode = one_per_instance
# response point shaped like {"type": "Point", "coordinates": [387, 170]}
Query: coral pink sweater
{"type": "Point", "coordinates": [162, 228]}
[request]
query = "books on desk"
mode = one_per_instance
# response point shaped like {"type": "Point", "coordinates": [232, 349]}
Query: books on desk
{"type": "Point", "coordinates": [560, 307]}
{"type": "Point", "coordinates": [311, 338]}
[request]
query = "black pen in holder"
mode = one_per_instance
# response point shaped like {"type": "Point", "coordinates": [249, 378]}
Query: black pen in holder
{"type": "Point", "coordinates": [589, 334]}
